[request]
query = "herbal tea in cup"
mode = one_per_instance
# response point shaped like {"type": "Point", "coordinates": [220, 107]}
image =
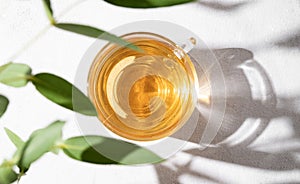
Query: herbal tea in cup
{"type": "Point", "coordinates": [143, 95]}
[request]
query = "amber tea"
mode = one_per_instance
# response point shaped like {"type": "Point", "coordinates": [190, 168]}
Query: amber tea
{"type": "Point", "coordinates": [143, 95]}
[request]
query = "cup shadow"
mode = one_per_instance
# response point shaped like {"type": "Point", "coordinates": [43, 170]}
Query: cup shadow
{"type": "Point", "coordinates": [249, 93]}
{"type": "Point", "coordinates": [251, 103]}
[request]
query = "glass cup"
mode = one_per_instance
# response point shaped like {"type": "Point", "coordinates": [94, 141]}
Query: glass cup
{"type": "Point", "coordinates": [153, 97]}
{"type": "Point", "coordinates": [143, 95]}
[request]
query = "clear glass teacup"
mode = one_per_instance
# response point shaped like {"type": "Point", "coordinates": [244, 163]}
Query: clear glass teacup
{"type": "Point", "coordinates": [151, 95]}
{"type": "Point", "coordinates": [147, 94]}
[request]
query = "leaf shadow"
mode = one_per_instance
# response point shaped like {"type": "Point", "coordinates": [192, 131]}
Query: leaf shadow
{"type": "Point", "coordinates": [171, 176]}
{"type": "Point", "coordinates": [241, 105]}
{"type": "Point", "coordinates": [250, 158]}
{"type": "Point", "coordinates": [291, 41]}
{"type": "Point", "coordinates": [217, 5]}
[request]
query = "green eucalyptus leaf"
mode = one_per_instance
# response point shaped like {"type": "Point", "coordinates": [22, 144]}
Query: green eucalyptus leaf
{"type": "Point", "coordinates": [95, 33]}
{"type": "Point", "coordinates": [48, 10]}
{"type": "Point", "coordinates": [7, 174]}
{"type": "Point", "coordinates": [63, 93]}
{"type": "Point", "coordinates": [147, 3]}
{"type": "Point", "coordinates": [14, 74]}
{"type": "Point", "coordinates": [97, 149]}
{"type": "Point", "coordinates": [40, 142]}
{"type": "Point", "coordinates": [3, 104]}
{"type": "Point", "coordinates": [14, 138]}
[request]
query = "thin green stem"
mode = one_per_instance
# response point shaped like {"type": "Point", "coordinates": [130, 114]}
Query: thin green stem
{"type": "Point", "coordinates": [22, 173]}
{"type": "Point", "coordinates": [61, 145]}
{"type": "Point", "coordinates": [66, 146]}
{"type": "Point", "coordinates": [31, 78]}
{"type": "Point", "coordinates": [26, 77]}
{"type": "Point", "coordinates": [29, 43]}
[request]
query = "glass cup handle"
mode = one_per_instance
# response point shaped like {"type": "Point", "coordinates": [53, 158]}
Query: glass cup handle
{"type": "Point", "coordinates": [189, 45]}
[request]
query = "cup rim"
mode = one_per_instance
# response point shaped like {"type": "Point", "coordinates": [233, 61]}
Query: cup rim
{"type": "Point", "coordinates": [105, 49]}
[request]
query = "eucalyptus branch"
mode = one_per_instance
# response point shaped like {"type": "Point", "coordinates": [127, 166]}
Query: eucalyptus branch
{"type": "Point", "coordinates": [44, 140]}
{"type": "Point", "coordinates": [49, 139]}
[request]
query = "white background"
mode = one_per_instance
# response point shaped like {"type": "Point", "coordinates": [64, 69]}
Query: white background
{"type": "Point", "coordinates": [268, 29]}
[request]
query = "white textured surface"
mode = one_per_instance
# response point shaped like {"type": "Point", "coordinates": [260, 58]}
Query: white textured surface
{"type": "Point", "coordinates": [268, 29]}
